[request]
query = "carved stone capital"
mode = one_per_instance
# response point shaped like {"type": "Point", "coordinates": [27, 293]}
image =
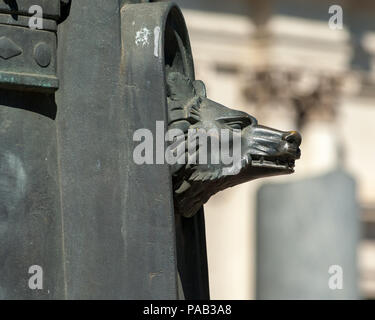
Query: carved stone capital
{"type": "Point", "coordinates": [312, 95]}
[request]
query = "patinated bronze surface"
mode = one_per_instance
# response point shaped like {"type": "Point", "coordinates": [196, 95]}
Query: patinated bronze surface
{"type": "Point", "coordinates": [73, 201]}
{"type": "Point", "coordinates": [264, 151]}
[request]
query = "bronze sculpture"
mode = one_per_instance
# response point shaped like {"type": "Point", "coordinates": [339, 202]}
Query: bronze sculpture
{"type": "Point", "coordinates": [265, 151]}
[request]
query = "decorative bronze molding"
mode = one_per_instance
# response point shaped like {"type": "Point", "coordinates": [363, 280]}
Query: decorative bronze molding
{"type": "Point", "coordinates": [51, 8]}
{"type": "Point", "coordinates": [29, 59]}
{"type": "Point", "coordinates": [29, 56]}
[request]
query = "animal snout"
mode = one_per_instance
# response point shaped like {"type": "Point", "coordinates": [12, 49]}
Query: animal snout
{"type": "Point", "coordinates": [293, 138]}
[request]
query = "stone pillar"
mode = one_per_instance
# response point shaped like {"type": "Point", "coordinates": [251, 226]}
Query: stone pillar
{"type": "Point", "coordinates": [303, 229]}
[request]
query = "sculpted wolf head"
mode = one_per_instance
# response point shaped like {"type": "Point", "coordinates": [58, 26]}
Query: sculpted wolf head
{"type": "Point", "coordinates": [264, 151]}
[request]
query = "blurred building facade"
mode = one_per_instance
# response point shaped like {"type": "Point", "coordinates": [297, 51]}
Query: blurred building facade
{"type": "Point", "coordinates": [281, 62]}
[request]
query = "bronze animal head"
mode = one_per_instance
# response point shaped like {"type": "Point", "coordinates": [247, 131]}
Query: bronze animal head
{"type": "Point", "coordinates": [264, 151]}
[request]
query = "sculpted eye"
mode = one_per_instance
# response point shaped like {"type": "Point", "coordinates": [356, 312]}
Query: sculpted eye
{"type": "Point", "coordinates": [235, 125]}
{"type": "Point", "coordinates": [238, 123]}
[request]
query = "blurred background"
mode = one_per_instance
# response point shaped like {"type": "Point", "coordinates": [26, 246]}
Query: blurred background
{"type": "Point", "coordinates": [312, 234]}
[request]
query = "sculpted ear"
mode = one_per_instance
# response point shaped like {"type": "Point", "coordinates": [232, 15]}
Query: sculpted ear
{"type": "Point", "coordinates": [200, 88]}
{"type": "Point", "coordinates": [179, 86]}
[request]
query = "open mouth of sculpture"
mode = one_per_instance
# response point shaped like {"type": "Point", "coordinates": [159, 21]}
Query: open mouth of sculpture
{"type": "Point", "coordinates": [273, 162]}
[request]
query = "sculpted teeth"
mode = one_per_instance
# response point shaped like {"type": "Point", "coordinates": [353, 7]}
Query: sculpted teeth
{"type": "Point", "coordinates": [247, 160]}
{"type": "Point", "coordinates": [275, 163]}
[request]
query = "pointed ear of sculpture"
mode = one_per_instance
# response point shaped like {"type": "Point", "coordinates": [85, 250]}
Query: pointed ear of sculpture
{"type": "Point", "coordinates": [200, 88]}
{"type": "Point", "coordinates": [179, 87]}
